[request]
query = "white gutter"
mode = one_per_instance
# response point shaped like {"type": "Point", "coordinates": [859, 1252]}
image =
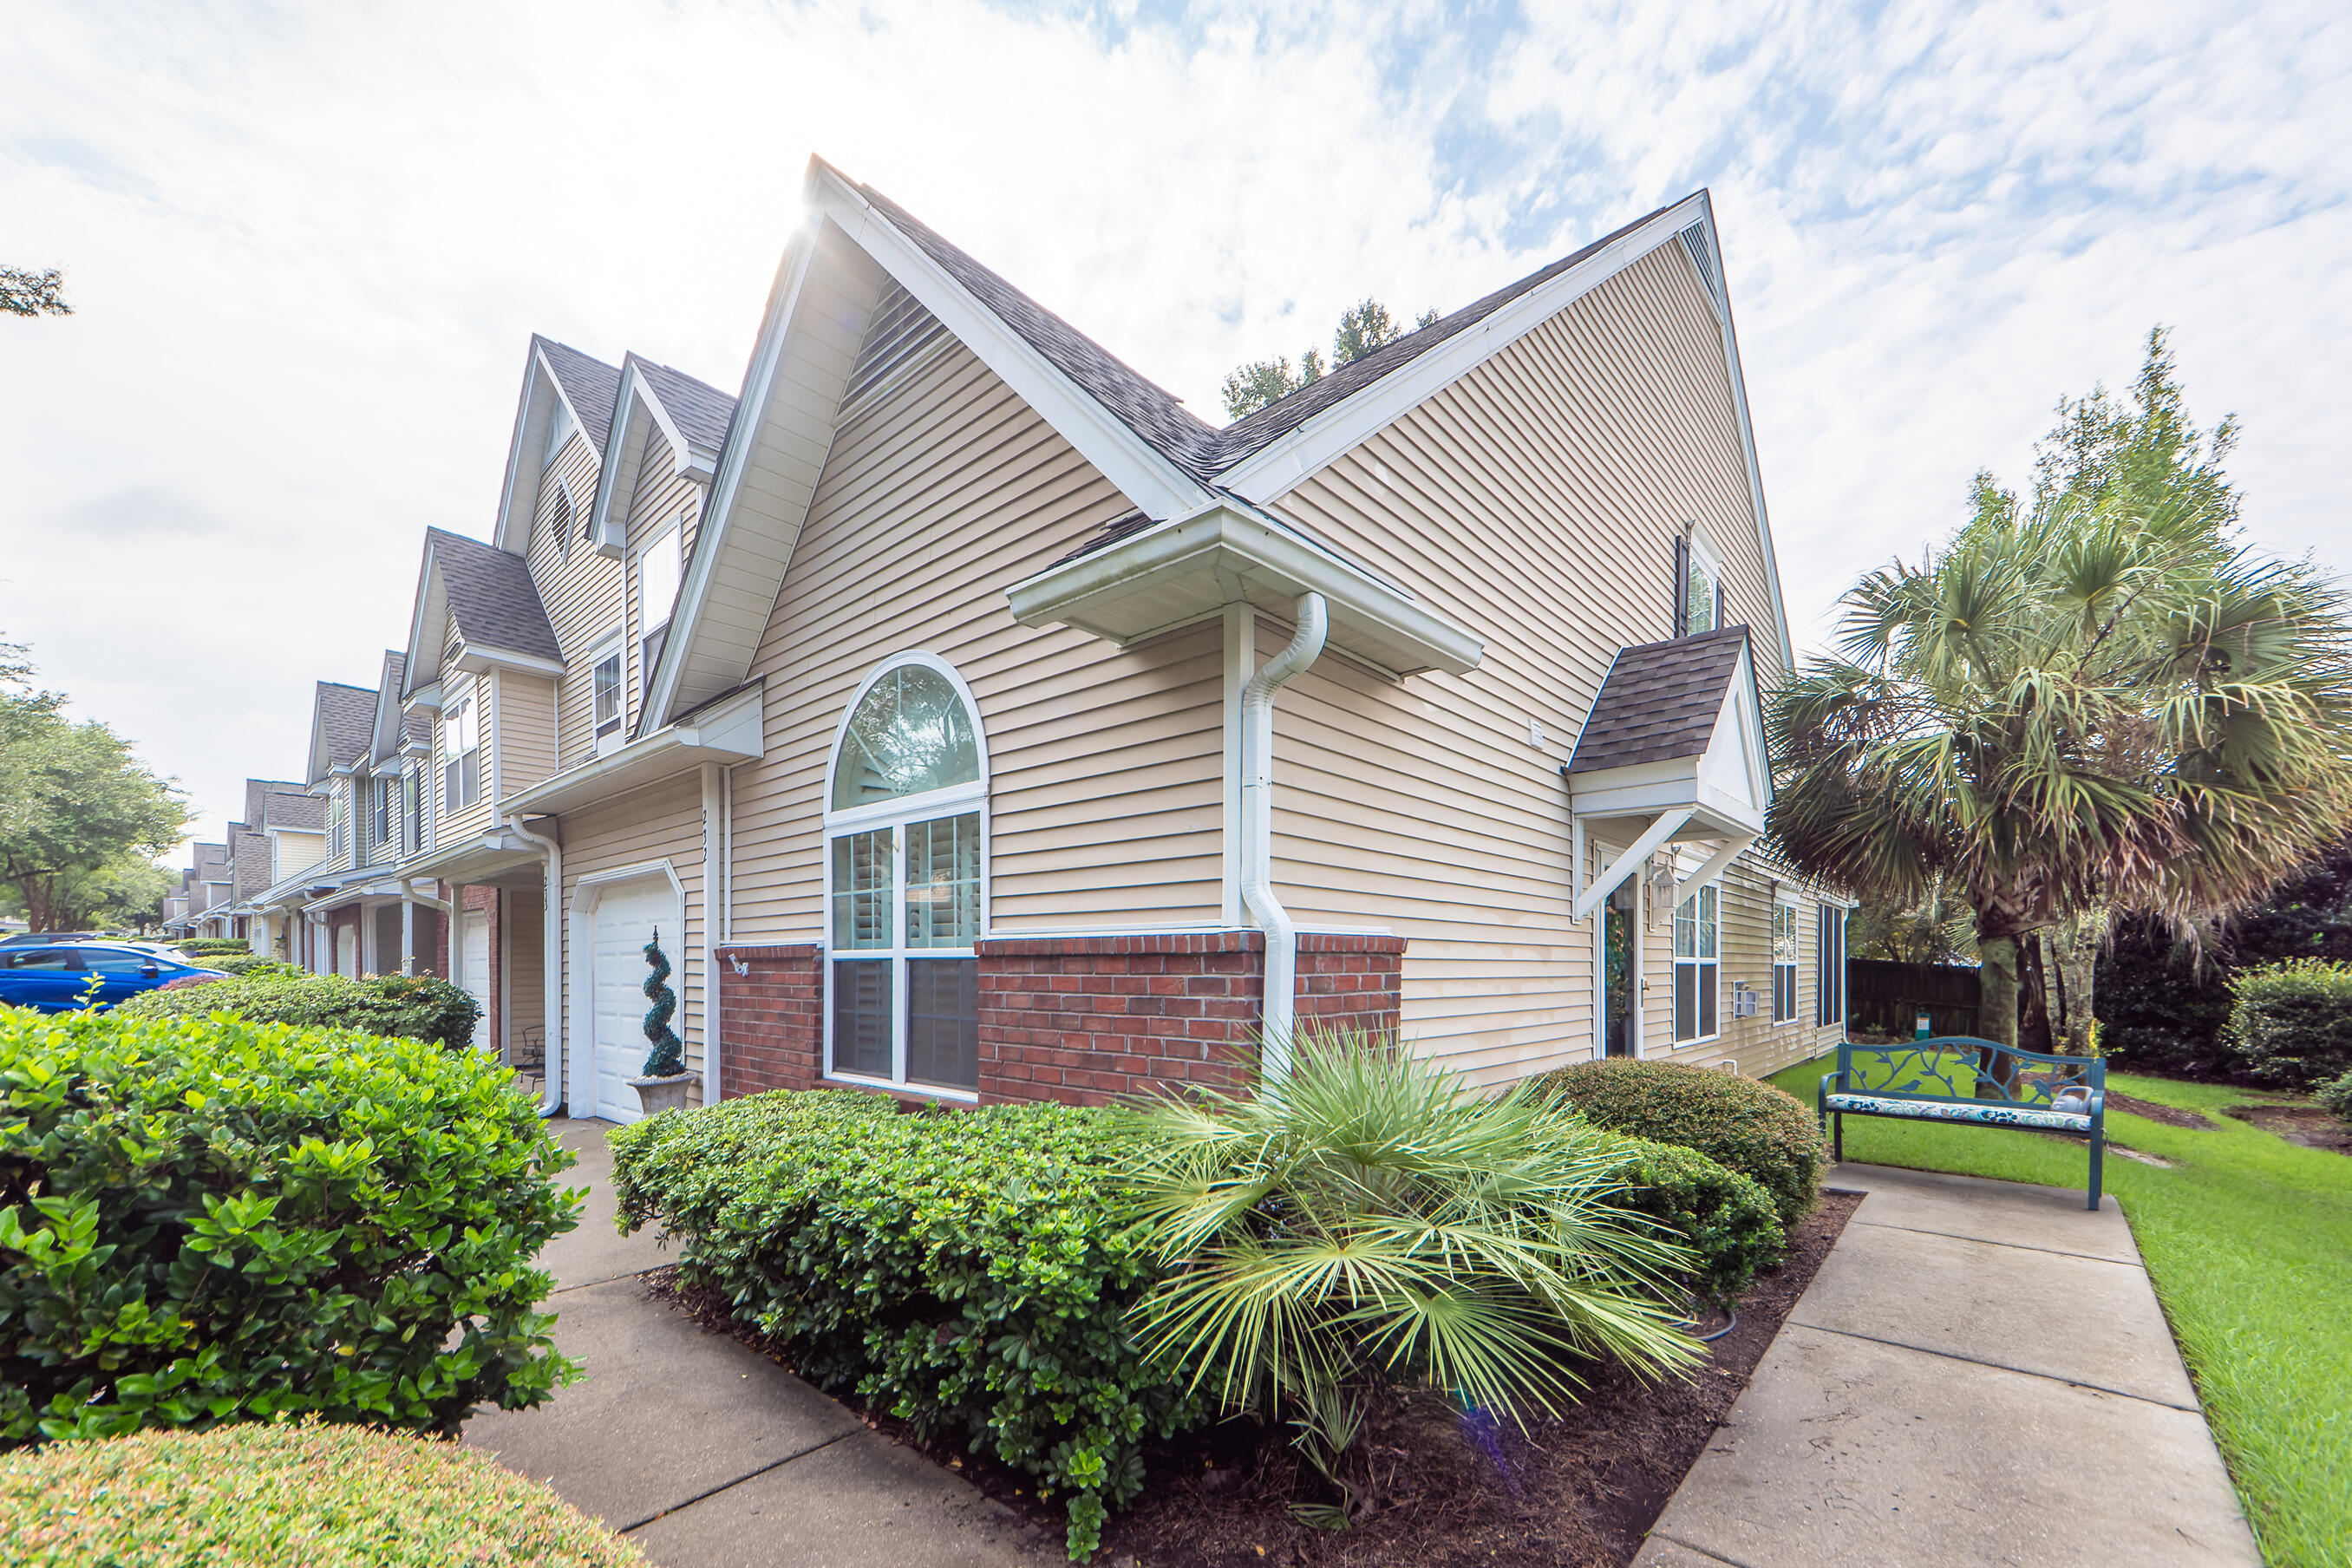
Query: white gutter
{"type": "Point", "coordinates": [550, 981]}
{"type": "Point", "coordinates": [1277, 1010]}
{"type": "Point", "coordinates": [1667, 825]}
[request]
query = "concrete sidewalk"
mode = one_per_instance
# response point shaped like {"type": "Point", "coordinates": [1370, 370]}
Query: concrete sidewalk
{"type": "Point", "coordinates": [1978, 1374]}
{"type": "Point", "coordinates": [710, 1457]}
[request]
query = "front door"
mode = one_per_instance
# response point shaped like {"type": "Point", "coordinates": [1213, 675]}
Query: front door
{"type": "Point", "coordinates": [627, 915]}
{"type": "Point", "coordinates": [1617, 978]}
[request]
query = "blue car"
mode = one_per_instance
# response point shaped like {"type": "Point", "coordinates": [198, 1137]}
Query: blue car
{"type": "Point", "coordinates": [57, 979]}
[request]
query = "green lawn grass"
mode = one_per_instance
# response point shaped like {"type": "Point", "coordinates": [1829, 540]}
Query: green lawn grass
{"type": "Point", "coordinates": [2249, 1241]}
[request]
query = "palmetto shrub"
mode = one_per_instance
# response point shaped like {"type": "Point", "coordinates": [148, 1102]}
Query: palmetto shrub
{"type": "Point", "coordinates": [289, 1492]}
{"type": "Point", "coordinates": [2292, 1023]}
{"type": "Point", "coordinates": [206, 1219]}
{"type": "Point", "coordinates": [1763, 1132]}
{"type": "Point", "coordinates": [419, 1006]}
{"type": "Point", "coordinates": [1372, 1224]}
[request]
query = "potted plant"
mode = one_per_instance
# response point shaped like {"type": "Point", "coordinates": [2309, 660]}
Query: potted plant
{"type": "Point", "coordinates": [664, 1084]}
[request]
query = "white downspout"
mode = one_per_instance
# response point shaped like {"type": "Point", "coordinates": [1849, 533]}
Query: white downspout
{"type": "Point", "coordinates": [1278, 1009]}
{"type": "Point", "coordinates": [550, 982]}
{"type": "Point", "coordinates": [714, 894]}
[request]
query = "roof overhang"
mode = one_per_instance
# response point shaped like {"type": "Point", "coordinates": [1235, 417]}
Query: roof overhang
{"type": "Point", "coordinates": [731, 730]}
{"type": "Point", "coordinates": [478, 859]}
{"type": "Point", "coordinates": [474, 659]}
{"type": "Point", "coordinates": [1180, 571]}
{"type": "Point", "coordinates": [1724, 788]}
{"type": "Point", "coordinates": [637, 413]}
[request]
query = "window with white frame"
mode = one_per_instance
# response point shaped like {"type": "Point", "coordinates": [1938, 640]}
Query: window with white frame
{"type": "Point", "coordinates": [658, 578]}
{"type": "Point", "coordinates": [1784, 962]}
{"type": "Point", "coordinates": [461, 742]}
{"type": "Point", "coordinates": [604, 683]}
{"type": "Point", "coordinates": [560, 427]}
{"type": "Point", "coordinates": [381, 810]}
{"type": "Point", "coordinates": [905, 826]}
{"type": "Point", "coordinates": [559, 522]}
{"type": "Point", "coordinates": [413, 837]}
{"type": "Point", "coordinates": [1698, 964]}
{"type": "Point", "coordinates": [1829, 964]}
{"type": "Point", "coordinates": [339, 823]}
{"type": "Point", "coordinates": [1702, 586]}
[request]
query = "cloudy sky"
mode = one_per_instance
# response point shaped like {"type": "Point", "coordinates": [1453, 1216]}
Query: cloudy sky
{"type": "Point", "coordinates": [307, 246]}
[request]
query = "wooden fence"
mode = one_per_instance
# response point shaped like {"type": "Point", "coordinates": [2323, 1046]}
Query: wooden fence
{"type": "Point", "coordinates": [1885, 999]}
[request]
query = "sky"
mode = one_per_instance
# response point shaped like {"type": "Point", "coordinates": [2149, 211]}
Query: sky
{"type": "Point", "coordinates": [307, 247]}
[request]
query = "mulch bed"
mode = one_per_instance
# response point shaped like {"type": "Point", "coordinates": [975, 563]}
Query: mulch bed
{"type": "Point", "coordinates": [1575, 1493]}
{"type": "Point", "coordinates": [2171, 1115]}
{"type": "Point", "coordinates": [2306, 1124]}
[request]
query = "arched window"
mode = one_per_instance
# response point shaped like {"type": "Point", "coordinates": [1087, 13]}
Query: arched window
{"type": "Point", "coordinates": [905, 879]}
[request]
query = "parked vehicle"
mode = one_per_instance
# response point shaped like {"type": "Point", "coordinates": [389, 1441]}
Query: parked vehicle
{"type": "Point", "coordinates": [60, 979]}
{"type": "Point", "coordinates": [47, 938]}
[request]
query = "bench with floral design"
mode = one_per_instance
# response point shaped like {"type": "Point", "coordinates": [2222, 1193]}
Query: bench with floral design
{"type": "Point", "coordinates": [1959, 1078]}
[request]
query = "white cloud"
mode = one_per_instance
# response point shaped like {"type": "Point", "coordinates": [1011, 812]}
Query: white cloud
{"type": "Point", "coordinates": [307, 247]}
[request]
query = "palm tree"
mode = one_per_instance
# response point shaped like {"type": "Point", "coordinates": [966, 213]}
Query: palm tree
{"type": "Point", "coordinates": [2087, 705]}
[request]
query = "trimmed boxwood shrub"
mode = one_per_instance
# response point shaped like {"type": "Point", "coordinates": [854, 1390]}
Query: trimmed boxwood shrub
{"type": "Point", "coordinates": [248, 964]}
{"type": "Point", "coordinates": [1725, 1218]}
{"type": "Point", "coordinates": [207, 1219]}
{"type": "Point", "coordinates": [2291, 1022]}
{"type": "Point", "coordinates": [1757, 1129]}
{"type": "Point", "coordinates": [215, 946]}
{"type": "Point", "coordinates": [420, 1006]}
{"type": "Point", "coordinates": [289, 1492]}
{"type": "Point", "coordinates": [969, 1271]}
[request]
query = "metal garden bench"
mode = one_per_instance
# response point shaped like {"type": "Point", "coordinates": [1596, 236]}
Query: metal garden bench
{"type": "Point", "coordinates": [1959, 1078]}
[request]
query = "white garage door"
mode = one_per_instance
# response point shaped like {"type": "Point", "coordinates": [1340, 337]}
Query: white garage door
{"type": "Point", "coordinates": [626, 919]}
{"type": "Point", "coordinates": [476, 960]}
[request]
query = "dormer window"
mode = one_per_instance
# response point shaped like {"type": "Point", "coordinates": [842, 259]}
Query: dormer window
{"type": "Point", "coordinates": [559, 426]}
{"type": "Point", "coordinates": [658, 571]}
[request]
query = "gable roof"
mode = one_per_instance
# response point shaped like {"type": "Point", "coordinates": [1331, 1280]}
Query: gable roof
{"type": "Point", "coordinates": [1659, 701]}
{"type": "Point", "coordinates": [391, 727]}
{"type": "Point", "coordinates": [701, 410]}
{"type": "Point", "coordinates": [553, 374]}
{"type": "Point", "coordinates": [588, 384]}
{"type": "Point", "coordinates": [488, 593]}
{"type": "Point", "coordinates": [341, 719]}
{"type": "Point", "coordinates": [692, 418]}
{"type": "Point", "coordinates": [291, 813]}
{"type": "Point", "coordinates": [1167, 461]}
{"type": "Point", "coordinates": [258, 794]}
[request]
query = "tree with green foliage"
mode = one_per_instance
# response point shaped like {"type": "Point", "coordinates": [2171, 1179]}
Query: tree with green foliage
{"type": "Point", "coordinates": [2098, 701]}
{"type": "Point", "coordinates": [1363, 327]}
{"type": "Point", "coordinates": [76, 807]}
{"type": "Point", "coordinates": [24, 292]}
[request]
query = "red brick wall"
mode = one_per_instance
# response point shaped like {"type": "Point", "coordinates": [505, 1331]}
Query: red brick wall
{"type": "Point", "coordinates": [1078, 1019]}
{"type": "Point", "coordinates": [772, 1021]}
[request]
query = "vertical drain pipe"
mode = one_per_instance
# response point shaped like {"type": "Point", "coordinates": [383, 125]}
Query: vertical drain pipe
{"type": "Point", "coordinates": [1278, 1009]}
{"type": "Point", "coordinates": [550, 981]}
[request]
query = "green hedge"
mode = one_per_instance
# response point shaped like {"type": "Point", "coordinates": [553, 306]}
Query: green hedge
{"type": "Point", "coordinates": [1752, 1127]}
{"type": "Point", "coordinates": [288, 1492]}
{"type": "Point", "coordinates": [2291, 1024]}
{"type": "Point", "coordinates": [1727, 1218]}
{"type": "Point", "coordinates": [207, 1220]}
{"type": "Point", "coordinates": [418, 1006]}
{"type": "Point", "coordinates": [970, 1271]}
{"type": "Point", "coordinates": [2335, 1097]}
{"type": "Point", "coordinates": [215, 946]}
{"type": "Point", "coordinates": [250, 963]}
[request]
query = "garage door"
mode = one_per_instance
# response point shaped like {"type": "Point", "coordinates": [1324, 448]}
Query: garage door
{"type": "Point", "coordinates": [477, 959]}
{"type": "Point", "coordinates": [626, 919]}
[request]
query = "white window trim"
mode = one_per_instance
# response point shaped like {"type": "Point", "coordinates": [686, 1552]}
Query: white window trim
{"type": "Point", "coordinates": [613, 645]}
{"type": "Point", "coordinates": [1797, 964]}
{"type": "Point", "coordinates": [1703, 558]}
{"type": "Point", "coordinates": [1677, 961]}
{"type": "Point", "coordinates": [904, 811]}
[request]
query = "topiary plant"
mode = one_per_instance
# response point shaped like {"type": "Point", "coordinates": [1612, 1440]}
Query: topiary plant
{"type": "Point", "coordinates": [1754, 1128]}
{"type": "Point", "coordinates": [667, 1059]}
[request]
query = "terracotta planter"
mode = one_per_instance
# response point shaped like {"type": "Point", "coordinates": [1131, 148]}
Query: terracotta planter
{"type": "Point", "coordinates": [660, 1094]}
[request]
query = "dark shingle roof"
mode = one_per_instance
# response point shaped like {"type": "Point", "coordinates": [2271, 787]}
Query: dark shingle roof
{"type": "Point", "coordinates": [211, 858]}
{"type": "Point", "coordinates": [1156, 417]}
{"type": "Point", "coordinates": [252, 864]}
{"type": "Point", "coordinates": [300, 813]}
{"type": "Point", "coordinates": [1660, 701]}
{"type": "Point", "coordinates": [344, 716]}
{"type": "Point", "coordinates": [257, 798]}
{"type": "Point", "coordinates": [383, 746]}
{"type": "Point", "coordinates": [589, 385]}
{"type": "Point", "coordinates": [702, 411]}
{"type": "Point", "coordinates": [490, 595]}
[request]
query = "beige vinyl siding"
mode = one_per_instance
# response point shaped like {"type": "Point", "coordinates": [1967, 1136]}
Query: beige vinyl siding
{"type": "Point", "coordinates": [297, 852]}
{"type": "Point", "coordinates": [660, 823]}
{"type": "Point", "coordinates": [1535, 500]}
{"type": "Point", "coordinates": [1105, 764]}
{"type": "Point", "coordinates": [522, 714]}
{"type": "Point", "coordinates": [452, 822]}
{"type": "Point", "coordinates": [581, 591]}
{"type": "Point", "coordinates": [663, 501]}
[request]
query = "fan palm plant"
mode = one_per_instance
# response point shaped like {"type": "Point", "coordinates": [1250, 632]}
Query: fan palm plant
{"type": "Point", "coordinates": [1379, 1224]}
{"type": "Point", "coordinates": [2087, 705]}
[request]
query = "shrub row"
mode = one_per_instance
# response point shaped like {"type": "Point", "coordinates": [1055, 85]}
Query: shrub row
{"type": "Point", "coordinates": [289, 1492]}
{"type": "Point", "coordinates": [249, 964]}
{"type": "Point", "coordinates": [2292, 1023]}
{"type": "Point", "coordinates": [1725, 1218]}
{"type": "Point", "coordinates": [1752, 1127]}
{"type": "Point", "coordinates": [968, 1272]}
{"type": "Point", "coordinates": [215, 946]}
{"type": "Point", "coordinates": [420, 1007]}
{"type": "Point", "coordinates": [209, 1219]}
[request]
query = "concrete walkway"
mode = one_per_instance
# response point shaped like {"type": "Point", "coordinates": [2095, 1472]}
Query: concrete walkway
{"type": "Point", "coordinates": [709, 1456]}
{"type": "Point", "coordinates": [1978, 1374]}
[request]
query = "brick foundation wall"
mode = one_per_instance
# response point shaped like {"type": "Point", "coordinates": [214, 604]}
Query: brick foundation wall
{"type": "Point", "coordinates": [772, 1021]}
